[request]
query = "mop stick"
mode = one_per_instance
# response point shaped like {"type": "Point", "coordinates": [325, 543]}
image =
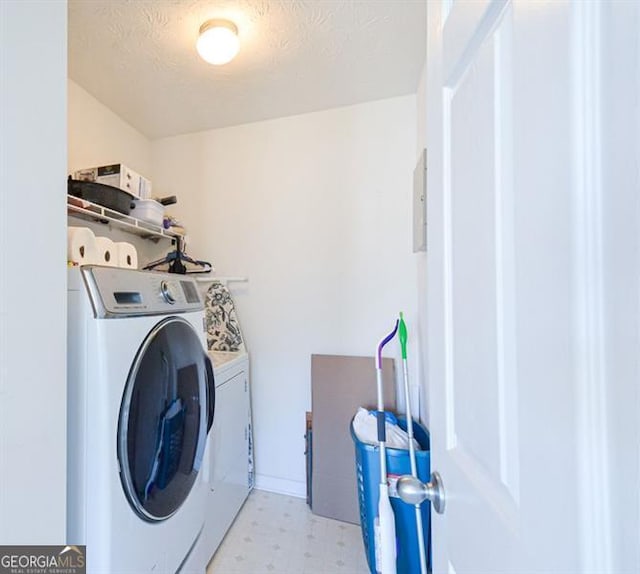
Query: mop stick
{"type": "Point", "coordinates": [402, 335]}
{"type": "Point", "coordinates": [385, 526]}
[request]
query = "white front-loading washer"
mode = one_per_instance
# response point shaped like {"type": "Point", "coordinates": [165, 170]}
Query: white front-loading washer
{"type": "Point", "coordinates": [141, 400]}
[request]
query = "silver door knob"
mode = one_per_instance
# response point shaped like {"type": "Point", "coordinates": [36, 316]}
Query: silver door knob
{"type": "Point", "coordinates": [413, 491]}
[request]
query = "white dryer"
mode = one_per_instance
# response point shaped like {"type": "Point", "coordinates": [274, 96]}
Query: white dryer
{"type": "Point", "coordinates": [229, 457]}
{"type": "Point", "coordinates": [141, 399]}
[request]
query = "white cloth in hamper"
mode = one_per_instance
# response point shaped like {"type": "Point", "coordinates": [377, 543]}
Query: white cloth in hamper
{"type": "Point", "coordinates": [365, 425]}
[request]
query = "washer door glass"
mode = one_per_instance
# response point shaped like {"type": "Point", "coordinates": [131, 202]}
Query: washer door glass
{"type": "Point", "coordinates": [163, 420]}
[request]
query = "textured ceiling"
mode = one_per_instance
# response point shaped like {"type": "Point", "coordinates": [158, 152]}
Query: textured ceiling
{"type": "Point", "coordinates": [138, 58]}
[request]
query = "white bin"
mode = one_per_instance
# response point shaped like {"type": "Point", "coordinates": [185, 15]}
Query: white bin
{"type": "Point", "coordinates": [148, 210]}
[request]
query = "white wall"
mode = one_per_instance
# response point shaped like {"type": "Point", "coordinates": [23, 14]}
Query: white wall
{"type": "Point", "coordinates": [97, 136]}
{"type": "Point", "coordinates": [315, 210]}
{"type": "Point", "coordinates": [33, 61]}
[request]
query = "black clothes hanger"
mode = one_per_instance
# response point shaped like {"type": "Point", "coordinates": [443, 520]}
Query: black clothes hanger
{"type": "Point", "coordinates": [179, 262]}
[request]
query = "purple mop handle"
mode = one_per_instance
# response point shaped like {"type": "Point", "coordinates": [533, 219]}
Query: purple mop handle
{"type": "Point", "coordinates": [382, 343]}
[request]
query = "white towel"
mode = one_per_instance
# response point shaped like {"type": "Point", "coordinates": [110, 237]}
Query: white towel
{"type": "Point", "coordinates": [365, 425]}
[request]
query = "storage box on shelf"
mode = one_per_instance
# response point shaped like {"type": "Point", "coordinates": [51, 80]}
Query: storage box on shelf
{"type": "Point", "coordinates": [93, 212]}
{"type": "Point", "coordinates": [117, 175]}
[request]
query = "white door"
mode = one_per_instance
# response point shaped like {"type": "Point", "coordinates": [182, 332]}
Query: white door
{"type": "Point", "coordinates": [532, 121]}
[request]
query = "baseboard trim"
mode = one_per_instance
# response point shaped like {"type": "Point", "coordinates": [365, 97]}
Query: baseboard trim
{"type": "Point", "coordinates": [281, 485]}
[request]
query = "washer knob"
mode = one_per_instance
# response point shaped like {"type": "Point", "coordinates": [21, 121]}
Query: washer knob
{"type": "Point", "coordinates": [167, 292]}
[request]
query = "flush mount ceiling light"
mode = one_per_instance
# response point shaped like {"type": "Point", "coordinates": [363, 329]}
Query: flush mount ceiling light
{"type": "Point", "coordinates": [218, 42]}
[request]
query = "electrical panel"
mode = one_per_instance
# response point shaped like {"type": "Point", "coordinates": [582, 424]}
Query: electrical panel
{"type": "Point", "coordinates": [420, 204]}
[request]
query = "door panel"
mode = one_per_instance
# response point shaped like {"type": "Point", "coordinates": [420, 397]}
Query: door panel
{"type": "Point", "coordinates": [478, 270]}
{"type": "Point", "coordinates": [472, 331]}
{"type": "Point", "coordinates": [620, 133]}
{"type": "Point", "coordinates": [513, 308]}
{"type": "Point", "coordinates": [481, 273]}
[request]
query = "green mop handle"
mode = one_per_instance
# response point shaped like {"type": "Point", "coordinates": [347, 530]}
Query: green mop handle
{"type": "Point", "coordinates": [402, 335]}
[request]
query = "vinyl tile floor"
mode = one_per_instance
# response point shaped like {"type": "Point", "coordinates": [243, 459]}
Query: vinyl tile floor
{"type": "Point", "coordinates": [276, 534]}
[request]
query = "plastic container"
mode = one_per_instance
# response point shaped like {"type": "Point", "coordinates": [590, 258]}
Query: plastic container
{"type": "Point", "coordinates": [148, 210]}
{"type": "Point", "coordinates": [368, 476]}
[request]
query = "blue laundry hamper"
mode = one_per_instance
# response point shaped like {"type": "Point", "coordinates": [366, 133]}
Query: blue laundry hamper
{"type": "Point", "coordinates": [368, 476]}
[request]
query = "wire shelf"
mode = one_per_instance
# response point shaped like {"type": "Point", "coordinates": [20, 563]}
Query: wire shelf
{"type": "Point", "coordinates": [89, 211]}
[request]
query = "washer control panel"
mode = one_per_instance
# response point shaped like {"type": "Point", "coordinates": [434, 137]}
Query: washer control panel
{"type": "Point", "coordinates": [167, 292]}
{"type": "Point", "coordinates": [118, 292]}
